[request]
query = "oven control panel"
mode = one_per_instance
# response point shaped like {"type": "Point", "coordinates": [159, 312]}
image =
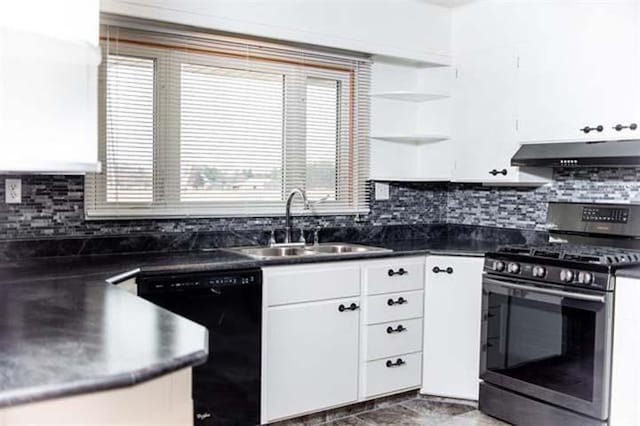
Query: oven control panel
{"type": "Point", "coordinates": [605, 214]}
{"type": "Point", "coordinates": [546, 272]}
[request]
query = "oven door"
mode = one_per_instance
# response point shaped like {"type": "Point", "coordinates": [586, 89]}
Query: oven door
{"type": "Point", "coordinates": [548, 343]}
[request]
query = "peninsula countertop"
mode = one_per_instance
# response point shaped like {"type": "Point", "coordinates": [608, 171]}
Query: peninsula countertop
{"type": "Point", "coordinates": [67, 336]}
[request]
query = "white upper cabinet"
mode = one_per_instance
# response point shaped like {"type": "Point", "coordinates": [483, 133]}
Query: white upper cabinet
{"type": "Point", "coordinates": [484, 119]}
{"type": "Point", "coordinates": [49, 60]}
{"type": "Point", "coordinates": [578, 68]}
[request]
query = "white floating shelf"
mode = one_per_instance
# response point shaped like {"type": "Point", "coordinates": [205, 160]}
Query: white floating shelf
{"type": "Point", "coordinates": [417, 139]}
{"type": "Point", "coordinates": [410, 96]}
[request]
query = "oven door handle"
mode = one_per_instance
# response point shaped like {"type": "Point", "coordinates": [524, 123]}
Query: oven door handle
{"type": "Point", "coordinates": [549, 291]}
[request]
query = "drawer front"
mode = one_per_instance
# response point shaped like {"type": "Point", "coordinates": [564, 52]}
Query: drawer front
{"type": "Point", "coordinates": [398, 274]}
{"type": "Point", "coordinates": [393, 338]}
{"type": "Point", "coordinates": [383, 378]}
{"type": "Point", "coordinates": [393, 307]}
{"type": "Point", "coordinates": [296, 284]}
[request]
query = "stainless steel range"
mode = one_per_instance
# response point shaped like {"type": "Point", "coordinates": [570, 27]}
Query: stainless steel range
{"type": "Point", "coordinates": [547, 317]}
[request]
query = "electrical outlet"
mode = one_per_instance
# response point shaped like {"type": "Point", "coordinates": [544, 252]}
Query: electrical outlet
{"type": "Point", "coordinates": [13, 191]}
{"type": "Point", "coordinates": [382, 191]}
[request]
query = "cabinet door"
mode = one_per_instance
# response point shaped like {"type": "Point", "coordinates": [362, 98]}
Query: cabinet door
{"type": "Point", "coordinates": [577, 68]}
{"type": "Point", "coordinates": [311, 360]}
{"type": "Point", "coordinates": [452, 327]}
{"type": "Point", "coordinates": [484, 129]}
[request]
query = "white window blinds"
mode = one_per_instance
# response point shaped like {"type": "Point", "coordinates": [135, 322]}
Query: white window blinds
{"type": "Point", "coordinates": [196, 124]}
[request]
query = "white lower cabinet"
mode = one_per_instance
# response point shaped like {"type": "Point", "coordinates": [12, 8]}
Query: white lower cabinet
{"type": "Point", "coordinates": [452, 326]}
{"type": "Point", "coordinates": [392, 327]}
{"type": "Point", "coordinates": [398, 337]}
{"type": "Point", "coordinates": [391, 374]}
{"type": "Point", "coordinates": [312, 357]}
{"type": "Point", "coordinates": [319, 351]}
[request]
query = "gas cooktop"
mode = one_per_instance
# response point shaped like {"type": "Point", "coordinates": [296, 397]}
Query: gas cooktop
{"type": "Point", "coordinates": [598, 255]}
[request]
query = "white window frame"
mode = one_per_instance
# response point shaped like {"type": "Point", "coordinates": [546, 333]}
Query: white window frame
{"type": "Point", "coordinates": [167, 148]}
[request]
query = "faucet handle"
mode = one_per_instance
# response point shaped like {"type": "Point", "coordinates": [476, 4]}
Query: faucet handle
{"type": "Point", "coordinates": [316, 236]}
{"type": "Point", "coordinates": [301, 239]}
{"type": "Point", "coordinates": [272, 238]}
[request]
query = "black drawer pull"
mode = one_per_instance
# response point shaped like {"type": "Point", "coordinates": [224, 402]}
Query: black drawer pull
{"type": "Point", "coordinates": [496, 172]}
{"type": "Point", "coordinates": [400, 272]}
{"type": "Point", "coordinates": [619, 127]}
{"type": "Point", "coordinates": [398, 363]}
{"type": "Point", "coordinates": [400, 301]}
{"type": "Point", "coordinates": [352, 307]}
{"type": "Point", "coordinates": [399, 329]}
{"type": "Point", "coordinates": [587, 129]}
{"type": "Point", "coordinates": [437, 270]}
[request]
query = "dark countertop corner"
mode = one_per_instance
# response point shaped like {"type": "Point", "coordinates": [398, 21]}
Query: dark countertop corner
{"type": "Point", "coordinates": [631, 272]}
{"type": "Point", "coordinates": [67, 336]}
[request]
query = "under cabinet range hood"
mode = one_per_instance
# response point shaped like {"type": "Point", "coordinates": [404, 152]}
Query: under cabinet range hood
{"type": "Point", "coordinates": [625, 153]}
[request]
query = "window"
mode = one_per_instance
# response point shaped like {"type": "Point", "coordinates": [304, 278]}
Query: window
{"type": "Point", "coordinates": [215, 126]}
{"type": "Point", "coordinates": [129, 135]}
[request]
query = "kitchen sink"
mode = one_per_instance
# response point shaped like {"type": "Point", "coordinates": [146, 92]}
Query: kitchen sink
{"type": "Point", "coordinates": [273, 252]}
{"type": "Point", "coordinates": [343, 248]}
{"type": "Point", "coordinates": [326, 249]}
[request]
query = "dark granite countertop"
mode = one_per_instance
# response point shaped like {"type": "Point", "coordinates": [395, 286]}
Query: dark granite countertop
{"type": "Point", "coordinates": [68, 336]}
{"type": "Point", "coordinates": [632, 272]}
{"type": "Point", "coordinates": [65, 331]}
{"type": "Point", "coordinates": [104, 267]}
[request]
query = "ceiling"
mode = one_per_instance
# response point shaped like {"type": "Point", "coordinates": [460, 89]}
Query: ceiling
{"type": "Point", "coordinates": [449, 3]}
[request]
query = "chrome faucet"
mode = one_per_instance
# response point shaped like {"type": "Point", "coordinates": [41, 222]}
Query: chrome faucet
{"type": "Point", "coordinates": [292, 194]}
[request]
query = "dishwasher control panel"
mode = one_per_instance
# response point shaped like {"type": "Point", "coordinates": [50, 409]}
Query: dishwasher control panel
{"type": "Point", "coordinates": [198, 281]}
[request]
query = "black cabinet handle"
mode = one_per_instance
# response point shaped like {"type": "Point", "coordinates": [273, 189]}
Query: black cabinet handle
{"type": "Point", "coordinates": [496, 172]}
{"type": "Point", "coordinates": [619, 127]}
{"type": "Point", "coordinates": [587, 129]}
{"type": "Point", "coordinates": [398, 363]}
{"type": "Point", "coordinates": [352, 307]}
{"type": "Point", "coordinates": [437, 270]}
{"type": "Point", "coordinates": [400, 272]}
{"type": "Point", "coordinates": [399, 329]}
{"type": "Point", "coordinates": [400, 301]}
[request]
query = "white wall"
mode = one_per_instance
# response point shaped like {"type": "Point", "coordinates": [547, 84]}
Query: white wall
{"type": "Point", "coordinates": [408, 29]}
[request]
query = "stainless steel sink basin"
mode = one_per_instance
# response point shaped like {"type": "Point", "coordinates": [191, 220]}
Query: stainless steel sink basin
{"type": "Point", "coordinates": [273, 252]}
{"type": "Point", "coordinates": [343, 248]}
{"type": "Point", "coordinates": [327, 249]}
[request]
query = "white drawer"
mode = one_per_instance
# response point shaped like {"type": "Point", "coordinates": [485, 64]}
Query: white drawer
{"type": "Point", "coordinates": [395, 274]}
{"type": "Point", "coordinates": [295, 284]}
{"type": "Point", "coordinates": [394, 307]}
{"type": "Point", "coordinates": [381, 378]}
{"type": "Point", "coordinates": [384, 340]}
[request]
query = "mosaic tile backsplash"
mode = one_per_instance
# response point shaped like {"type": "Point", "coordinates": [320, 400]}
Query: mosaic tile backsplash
{"type": "Point", "coordinates": [526, 208]}
{"type": "Point", "coordinates": [53, 206]}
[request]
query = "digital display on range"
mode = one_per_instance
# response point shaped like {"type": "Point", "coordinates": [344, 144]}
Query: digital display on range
{"type": "Point", "coordinates": [605, 214]}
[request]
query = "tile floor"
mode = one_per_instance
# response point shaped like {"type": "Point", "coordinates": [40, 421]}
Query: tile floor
{"type": "Point", "coordinates": [415, 411]}
{"type": "Point", "coordinates": [420, 411]}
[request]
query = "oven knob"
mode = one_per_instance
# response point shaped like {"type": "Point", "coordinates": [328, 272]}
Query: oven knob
{"type": "Point", "coordinates": [539, 271]}
{"type": "Point", "coordinates": [585, 278]}
{"type": "Point", "coordinates": [566, 275]}
{"type": "Point", "coordinates": [498, 266]}
{"type": "Point", "coordinates": [514, 268]}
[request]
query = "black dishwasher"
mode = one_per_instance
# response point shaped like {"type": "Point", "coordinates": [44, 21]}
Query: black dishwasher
{"type": "Point", "coordinates": [226, 389]}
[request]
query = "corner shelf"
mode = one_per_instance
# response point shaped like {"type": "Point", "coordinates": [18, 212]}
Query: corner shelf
{"type": "Point", "coordinates": [409, 96]}
{"type": "Point", "coordinates": [416, 139]}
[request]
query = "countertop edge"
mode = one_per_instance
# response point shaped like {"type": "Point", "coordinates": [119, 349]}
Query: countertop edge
{"type": "Point", "coordinates": [117, 381]}
{"type": "Point", "coordinates": [257, 263]}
